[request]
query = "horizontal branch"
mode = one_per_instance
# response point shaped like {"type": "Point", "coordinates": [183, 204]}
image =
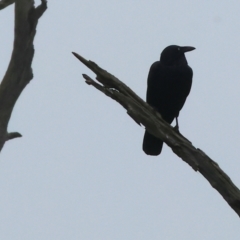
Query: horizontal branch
{"type": "Point", "coordinates": [5, 3]}
{"type": "Point", "coordinates": [13, 135]}
{"type": "Point", "coordinates": [144, 114]}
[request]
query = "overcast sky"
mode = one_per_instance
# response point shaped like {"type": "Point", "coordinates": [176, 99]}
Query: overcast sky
{"type": "Point", "coordinates": [79, 171]}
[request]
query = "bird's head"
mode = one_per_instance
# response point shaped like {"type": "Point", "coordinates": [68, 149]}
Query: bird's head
{"type": "Point", "coordinates": [174, 55]}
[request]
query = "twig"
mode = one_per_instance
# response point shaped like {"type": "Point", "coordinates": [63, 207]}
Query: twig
{"type": "Point", "coordinates": [5, 3]}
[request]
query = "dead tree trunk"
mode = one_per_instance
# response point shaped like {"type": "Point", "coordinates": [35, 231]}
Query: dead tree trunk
{"type": "Point", "coordinates": [19, 72]}
{"type": "Point", "coordinates": [144, 114]}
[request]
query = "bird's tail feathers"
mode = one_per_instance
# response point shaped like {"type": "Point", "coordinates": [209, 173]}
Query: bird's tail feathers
{"type": "Point", "coordinates": [151, 144]}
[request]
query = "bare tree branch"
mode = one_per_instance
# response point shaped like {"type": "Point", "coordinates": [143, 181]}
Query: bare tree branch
{"type": "Point", "coordinates": [19, 72]}
{"type": "Point", "coordinates": [5, 3]}
{"type": "Point", "coordinates": [13, 135]}
{"type": "Point", "coordinates": [144, 114]}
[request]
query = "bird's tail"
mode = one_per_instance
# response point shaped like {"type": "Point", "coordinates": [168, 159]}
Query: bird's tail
{"type": "Point", "coordinates": [151, 144]}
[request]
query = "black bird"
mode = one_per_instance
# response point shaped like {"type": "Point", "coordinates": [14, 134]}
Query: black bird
{"type": "Point", "coordinates": [169, 83]}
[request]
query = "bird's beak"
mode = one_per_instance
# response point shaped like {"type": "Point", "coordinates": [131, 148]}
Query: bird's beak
{"type": "Point", "coordinates": [187, 49]}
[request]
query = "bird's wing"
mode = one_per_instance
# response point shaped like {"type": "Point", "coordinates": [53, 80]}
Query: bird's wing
{"type": "Point", "coordinates": [156, 85]}
{"type": "Point", "coordinates": [168, 88]}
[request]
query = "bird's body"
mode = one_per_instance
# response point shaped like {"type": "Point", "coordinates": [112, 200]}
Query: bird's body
{"type": "Point", "coordinates": [169, 83]}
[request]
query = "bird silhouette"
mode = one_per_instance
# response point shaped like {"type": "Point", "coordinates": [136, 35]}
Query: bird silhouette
{"type": "Point", "coordinates": [169, 83]}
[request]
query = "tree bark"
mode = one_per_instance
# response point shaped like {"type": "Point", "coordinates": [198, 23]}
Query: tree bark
{"type": "Point", "coordinates": [144, 114]}
{"type": "Point", "coordinates": [19, 72]}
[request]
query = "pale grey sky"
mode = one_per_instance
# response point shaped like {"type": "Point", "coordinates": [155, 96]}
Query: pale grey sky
{"type": "Point", "coordinates": [79, 171]}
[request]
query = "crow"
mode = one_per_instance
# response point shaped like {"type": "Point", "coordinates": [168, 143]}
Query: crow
{"type": "Point", "coordinates": [169, 83]}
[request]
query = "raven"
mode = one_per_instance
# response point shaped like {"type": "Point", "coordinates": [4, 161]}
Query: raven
{"type": "Point", "coordinates": [169, 83]}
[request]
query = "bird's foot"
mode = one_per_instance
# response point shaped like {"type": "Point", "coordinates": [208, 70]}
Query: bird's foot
{"type": "Point", "coordinates": [176, 129]}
